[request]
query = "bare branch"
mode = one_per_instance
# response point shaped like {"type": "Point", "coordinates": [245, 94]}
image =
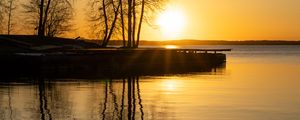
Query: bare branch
{"type": "Point", "coordinates": [51, 17]}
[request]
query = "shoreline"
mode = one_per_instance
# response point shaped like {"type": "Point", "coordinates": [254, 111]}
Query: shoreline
{"type": "Point", "coordinates": [32, 39]}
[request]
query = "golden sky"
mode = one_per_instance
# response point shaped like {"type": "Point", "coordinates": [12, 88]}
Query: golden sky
{"type": "Point", "coordinates": [223, 20]}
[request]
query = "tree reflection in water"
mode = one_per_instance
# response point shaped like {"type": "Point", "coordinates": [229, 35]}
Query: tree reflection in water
{"type": "Point", "coordinates": [45, 112]}
{"type": "Point", "coordinates": [133, 92]}
{"type": "Point", "coordinates": [123, 104]}
{"type": "Point", "coordinates": [10, 104]}
{"type": "Point", "coordinates": [128, 98]}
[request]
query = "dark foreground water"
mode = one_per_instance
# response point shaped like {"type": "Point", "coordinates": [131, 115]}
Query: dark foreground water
{"type": "Point", "coordinates": [258, 83]}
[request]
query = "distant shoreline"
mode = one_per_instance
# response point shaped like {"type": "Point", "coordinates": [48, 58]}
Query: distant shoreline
{"type": "Point", "coordinates": [32, 39]}
{"type": "Point", "coordinates": [212, 42]}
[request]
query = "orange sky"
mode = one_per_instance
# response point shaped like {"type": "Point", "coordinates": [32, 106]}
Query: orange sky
{"type": "Point", "coordinates": [227, 20]}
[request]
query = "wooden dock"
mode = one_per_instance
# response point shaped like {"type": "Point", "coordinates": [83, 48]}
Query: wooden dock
{"type": "Point", "coordinates": [121, 50]}
{"type": "Point", "coordinates": [114, 61]}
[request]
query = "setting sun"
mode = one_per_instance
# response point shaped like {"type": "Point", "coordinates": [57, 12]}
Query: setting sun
{"type": "Point", "coordinates": [171, 22]}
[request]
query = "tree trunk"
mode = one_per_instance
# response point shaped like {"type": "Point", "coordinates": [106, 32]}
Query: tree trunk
{"type": "Point", "coordinates": [40, 30]}
{"type": "Point", "coordinates": [113, 25]}
{"type": "Point", "coordinates": [129, 23]}
{"type": "Point", "coordinates": [134, 23]}
{"type": "Point", "coordinates": [9, 17]}
{"type": "Point", "coordinates": [123, 25]}
{"type": "Point", "coordinates": [140, 24]}
{"type": "Point", "coordinates": [106, 23]}
{"type": "Point", "coordinates": [46, 16]}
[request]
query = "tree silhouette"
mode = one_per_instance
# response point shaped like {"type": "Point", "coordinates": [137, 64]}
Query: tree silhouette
{"type": "Point", "coordinates": [10, 13]}
{"type": "Point", "coordinates": [104, 18]}
{"type": "Point", "coordinates": [7, 15]}
{"type": "Point", "coordinates": [1, 14]}
{"type": "Point", "coordinates": [49, 17]}
{"type": "Point", "coordinates": [125, 17]}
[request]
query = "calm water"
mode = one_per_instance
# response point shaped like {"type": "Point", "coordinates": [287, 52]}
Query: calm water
{"type": "Point", "coordinates": [258, 83]}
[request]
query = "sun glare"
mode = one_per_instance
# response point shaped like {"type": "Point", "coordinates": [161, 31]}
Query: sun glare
{"type": "Point", "coordinates": [171, 23]}
{"type": "Point", "coordinates": [170, 85]}
{"type": "Point", "coordinates": [171, 46]}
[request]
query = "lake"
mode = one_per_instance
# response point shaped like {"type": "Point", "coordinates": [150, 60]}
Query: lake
{"type": "Point", "coordinates": [257, 83]}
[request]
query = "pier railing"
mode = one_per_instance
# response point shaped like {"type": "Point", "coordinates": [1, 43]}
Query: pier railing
{"type": "Point", "coordinates": [202, 50]}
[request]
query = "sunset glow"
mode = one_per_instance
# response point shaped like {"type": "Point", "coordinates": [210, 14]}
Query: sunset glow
{"type": "Point", "coordinates": [170, 85]}
{"type": "Point", "coordinates": [171, 46]}
{"type": "Point", "coordinates": [194, 19]}
{"type": "Point", "coordinates": [171, 23]}
{"type": "Point", "coordinates": [149, 59]}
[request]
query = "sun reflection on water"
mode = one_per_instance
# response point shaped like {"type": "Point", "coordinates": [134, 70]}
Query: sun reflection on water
{"type": "Point", "coordinates": [171, 47]}
{"type": "Point", "coordinates": [170, 86]}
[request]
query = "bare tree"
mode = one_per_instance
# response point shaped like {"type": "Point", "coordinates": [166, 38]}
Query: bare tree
{"type": "Point", "coordinates": [129, 16]}
{"type": "Point", "coordinates": [49, 17]}
{"type": "Point", "coordinates": [122, 23]}
{"type": "Point", "coordinates": [140, 23]}
{"type": "Point", "coordinates": [116, 8]}
{"type": "Point", "coordinates": [10, 13]}
{"type": "Point", "coordinates": [1, 14]}
{"type": "Point", "coordinates": [59, 18]}
{"type": "Point", "coordinates": [140, 11]}
{"type": "Point", "coordinates": [41, 31]}
{"type": "Point", "coordinates": [104, 18]}
{"type": "Point", "coordinates": [129, 13]}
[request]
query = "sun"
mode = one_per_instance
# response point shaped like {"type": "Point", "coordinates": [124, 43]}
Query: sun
{"type": "Point", "coordinates": [171, 23]}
